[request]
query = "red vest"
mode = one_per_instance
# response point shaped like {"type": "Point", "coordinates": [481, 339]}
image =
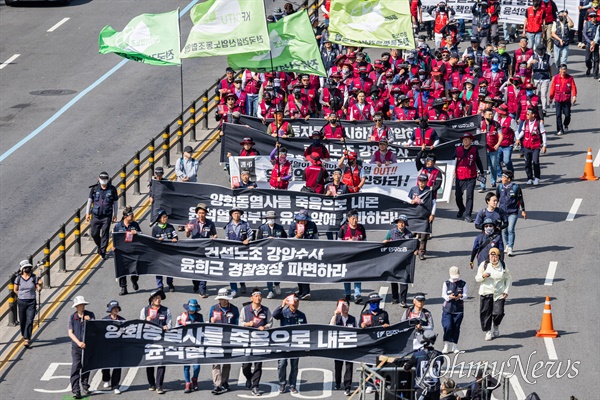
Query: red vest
{"type": "Point", "coordinates": [379, 133]}
{"type": "Point", "coordinates": [494, 83]}
{"type": "Point", "coordinates": [355, 113]}
{"type": "Point", "coordinates": [419, 140]}
{"type": "Point", "coordinates": [280, 171]}
{"type": "Point", "coordinates": [267, 112]}
{"type": "Point", "coordinates": [248, 153]}
{"type": "Point", "coordinates": [508, 135]}
{"type": "Point", "coordinates": [252, 86]}
{"type": "Point", "coordinates": [315, 178]}
{"type": "Point", "coordinates": [303, 108]}
{"type": "Point", "coordinates": [414, 8]}
{"type": "Point", "coordinates": [405, 114]}
{"type": "Point", "coordinates": [491, 134]}
{"type": "Point", "coordinates": [535, 20]}
{"type": "Point", "coordinates": [351, 178]}
{"type": "Point", "coordinates": [431, 176]}
{"type": "Point", "coordinates": [456, 109]}
{"type": "Point", "coordinates": [348, 233]}
{"type": "Point", "coordinates": [441, 20]}
{"type": "Point", "coordinates": [465, 163]}
{"type": "Point", "coordinates": [512, 99]}
{"type": "Point", "coordinates": [493, 11]}
{"type": "Point", "coordinates": [387, 157]}
{"type": "Point", "coordinates": [562, 89]}
{"type": "Point", "coordinates": [521, 57]}
{"type": "Point", "coordinates": [526, 103]}
{"type": "Point", "coordinates": [433, 115]}
{"type": "Point", "coordinates": [333, 133]}
{"type": "Point", "coordinates": [282, 129]}
{"type": "Point", "coordinates": [532, 139]}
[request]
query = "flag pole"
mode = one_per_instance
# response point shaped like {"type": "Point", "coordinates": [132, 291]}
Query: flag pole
{"type": "Point", "coordinates": [180, 69]}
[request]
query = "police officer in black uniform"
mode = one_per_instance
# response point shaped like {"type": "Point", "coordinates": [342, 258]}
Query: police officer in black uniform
{"type": "Point", "coordinates": [101, 209]}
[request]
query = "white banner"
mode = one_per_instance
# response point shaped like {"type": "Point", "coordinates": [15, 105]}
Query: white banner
{"type": "Point", "coordinates": [394, 180]}
{"type": "Point", "coordinates": [511, 11]}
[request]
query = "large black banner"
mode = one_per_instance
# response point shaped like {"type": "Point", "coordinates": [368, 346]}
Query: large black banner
{"type": "Point", "coordinates": [376, 211]}
{"type": "Point", "coordinates": [285, 260]}
{"type": "Point", "coordinates": [137, 343]}
{"type": "Point", "coordinates": [357, 133]}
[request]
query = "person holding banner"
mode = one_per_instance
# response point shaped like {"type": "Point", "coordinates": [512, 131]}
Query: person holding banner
{"type": "Point", "coordinates": [353, 174]}
{"type": "Point", "coordinates": [332, 130]}
{"type": "Point", "coordinates": [400, 231]}
{"type": "Point", "coordinates": [467, 164]}
{"type": "Point", "coordinates": [190, 316]}
{"type": "Point", "coordinates": [248, 149]}
{"type": "Point", "coordinates": [352, 230]}
{"type": "Point", "coordinates": [279, 127]}
{"type": "Point", "coordinates": [374, 315]}
{"type": "Point", "coordinates": [164, 231]}
{"type": "Point", "coordinates": [255, 315]}
{"type": "Point", "coordinates": [405, 112]}
{"type": "Point", "coordinates": [271, 229]}
{"type": "Point", "coordinates": [315, 175]}
{"type": "Point", "coordinates": [424, 136]}
{"type": "Point", "coordinates": [416, 195]}
{"type": "Point", "coordinates": [160, 315]}
{"type": "Point", "coordinates": [289, 314]}
{"type": "Point", "coordinates": [223, 313]}
{"type": "Point", "coordinates": [383, 155]}
{"type": "Point", "coordinates": [361, 110]}
{"type": "Point", "coordinates": [303, 228]}
{"type": "Point", "coordinates": [112, 381]}
{"type": "Point", "coordinates": [316, 146]}
{"type": "Point", "coordinates": [282, 169]}
{"type": "Point", "coordinates": [341, 317]}
{"type": "Point", "coordinates": [76, 330]}
{"type": "Point", "coordinates": [127, 224]}
{"type": "Point", "coordinates": [239, 231]}
{"type": "Point", "coordinates": [201, 228]}
{"type": "Point", "coordinates": [266, 108]}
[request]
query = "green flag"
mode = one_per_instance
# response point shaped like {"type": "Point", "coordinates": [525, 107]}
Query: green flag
{"type": "Point", "coordinates": [293, 48]}
{"type": "Point", "coordinates": [223, 27]}
{"type": "Point", "coordinates": [148, 38]}
{"type": "Point", "coordinates": [371, 23]}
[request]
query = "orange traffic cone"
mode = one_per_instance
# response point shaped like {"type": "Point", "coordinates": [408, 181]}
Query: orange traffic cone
{"type": "Point", "coordinates": [588, 171]}
{"type": "Point", "coordinates": [547, 330]}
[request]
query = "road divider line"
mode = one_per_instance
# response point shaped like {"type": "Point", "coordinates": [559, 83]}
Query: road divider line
{"type": "Point", "coordinates": [596, 163]}
{"type": "Point", "coordinates": [75, 99]}
{"type": "Point", "coordinates": [550, 349]}
{"type": "Point", "coordinates": [59, 23]}
{"type": "Point", "coordinates": [383, 290]}
{"type": "Point", "coordinates": [550, 274]}
{"type": "Point", "coordinates": [574, 208]}
{"type": "Point", "coordinates": [514, 382]}
{"type": "Point", "coordinates": [5, 63]}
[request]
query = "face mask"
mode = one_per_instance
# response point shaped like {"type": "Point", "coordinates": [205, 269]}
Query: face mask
{"type": "Point", "coordinates": [501, 51]}
{"type": "Point", "coordinates": [271, 221]}
{"type": "Point", "coordinates": [422, 77]}
{"type": "Point", "coordinates": [363, 75]}
{"type": "Point", "coordinates": [316, 141]}
{"type": "Point", "coordinates": [522, 71]}
{"type": "Point", "coordinates": [104, 181]}
{"type": "Point", "coordinates": [374, 306]}
{"type": "Point", "coordinates": [488, 230]}
{"type": "Point", "coordinates": [297, 92]}
{"type": "Point", "coordinates": [333, 121]}
{"type": "Point", "coordinates": [162, 226]}
{"type": "Point", "coordinates": [415, 87]}
{"type": "Point", "coordinates": [423, 124]}
{"type": "Point", "coordinates": [562, 19]}
{"type": "Point", "coordinates": [345, 71]}
{"type": "Point", "coordinates": [282, 159]}
{"type": "Point", "coordinates": [443, 8]}
{"type": "Point", "coordinates": [530, 93]}
{"type": "Point", "coordinates": [27, 270]}
{"type": "Point", "coordinates": [495, 67]}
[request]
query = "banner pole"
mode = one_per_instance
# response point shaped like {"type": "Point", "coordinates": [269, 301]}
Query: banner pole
{"type": "Point", "coordinates": [180, 71]}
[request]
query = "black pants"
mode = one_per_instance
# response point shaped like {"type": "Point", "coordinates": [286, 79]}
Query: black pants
{"type": "Point", "coordinates": [423, 237]}
{"type": "Point", "coordinates": [532, 163]}
{"type": "Point", "coordinates": [114, 379]}
{"type": "Point", "coordinates": [582, 14]}
{"type": "Point", "coordinates": [591, 60]}
{"type": "Point", "coordinates": [76, 375]}
{"type": "Point", "coordinates": [403, 291]}
{"type": "Point", "coordinates": [563, 108]}
{"type": "Point", "coordinates": [100, 231]}
{"type": "Point", "coordinates": [490, 311]}
{"type": "Point", "coordinates": [199, 286]}
{"type": "Point", "coordinates": [26, 316]}
{"type": "Point", "coordinates": [468, 186]}
{"type": "Point", "coordinates": [347, 374]}
{"type": "Point", "coordinates": [303, 288]}
{"type": "Point", "coordinates": [160, 376]}
{"type": "Point", "coordinates": [123, 280]}
{"type": "Point", "coordinates": [253, 377]}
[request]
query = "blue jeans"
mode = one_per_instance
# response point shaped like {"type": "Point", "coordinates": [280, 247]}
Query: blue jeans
{"type": "Point", "coordinates": [159, 281]}
{"type": "Point", "coordinates": [492, 159]}
{"type": "Point", "coordinates": [504, 155]}
{"type": "Point", "coordinates": [508, 30]}
{"type": "Point", "coordinates": [271, 284]}
{"type": "Point", "coordinates": [357, 287]}
{"type": "Point", "coordinates": [561, 55]}
{"type": "Point", "coordinates": [186, 372]}
{"type": "Point", "coordinates": [534, 39]}
{"type": "Point", "coordinates": [508, 234]}
{"type": "Point", "coordinates": [461, 27]}
{"type": "Point", "coordinates": [282, 369]}
{"type": "Point", "coordinates": [451, 324]}
{"type": "Point", "coordinates": [252, 105]}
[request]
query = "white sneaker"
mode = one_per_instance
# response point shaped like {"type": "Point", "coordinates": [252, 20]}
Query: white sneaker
{"type": "Point", "coordinates": [505, 250]}
{"type": "Point", "coordinates": [117, 391]}
{"type": "Point", "coordinates": [496, 332]}
{"type": "Point", "coordinates": [455, 349]}
{"type": "Point", "coordinates": [536, 182]}
{"type": "Point", "coordinates": [488, 335]}
{"type": "Point", "coordinates": [370, 389]}
{"type": "Point", "coordinates": [509, 251]}
{"type": "Point", "coordinates": [446, 348]}
{"type": "Point", "coordinates": [233, 294]}
{"type": "Point", "coordinates": [271, 295]}
{"type": "Point", "coordinates": [277, 289]}
{"type": "Point", "coordinates": [529, 181]}
{"type": "Point", "coordinates": [106, 385]}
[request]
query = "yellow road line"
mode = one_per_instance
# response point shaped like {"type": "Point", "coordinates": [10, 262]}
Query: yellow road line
{"type": "Point", "coordinates": [89, 267]}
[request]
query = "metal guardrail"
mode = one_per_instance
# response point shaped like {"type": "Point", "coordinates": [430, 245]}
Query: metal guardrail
{"type": "Point", "coordinates": [68, 236]}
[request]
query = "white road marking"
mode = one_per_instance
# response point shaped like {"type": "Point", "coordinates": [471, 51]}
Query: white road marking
{"type": "Point", "coordinates": [550, 274]}
{"type": "Point", "coordinates": [596, 163]}
{"type": "Point", "coordinates": [383, 290]}
{"type": "Point", "coordinates": [128, 379]}
{"type": "Point", "coordinates": [574, 209]}
{"type": "Point", "coordinates": [514, 382]}
{"type": "Point", "coordinates": [59, 23]}
{"type": "Point", "coordinates": [96, 380]}
{"type": "Point", "coordinates": [550, 348]}
{"type": "Point", "coordinates": [5, 63]}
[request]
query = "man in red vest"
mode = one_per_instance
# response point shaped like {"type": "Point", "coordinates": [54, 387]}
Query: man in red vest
{"type": "Point", "coordinates": [315, 175]}
{"type": "Point", "coordinates": [534, 24]}
{"type": "Point", "coordinates": [564, 92]}
{"type": "Point", "coordinates": [282, 169]}
{"type": "Point", "coordinates": [467, 164]}
{"type": "Point", "coordinates": [533, 136]}
{"type": "Point", "coordinates": [352, 174]}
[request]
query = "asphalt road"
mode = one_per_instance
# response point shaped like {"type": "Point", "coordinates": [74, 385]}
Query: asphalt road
{"type": "Point", "coordinates": [544, 238]}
